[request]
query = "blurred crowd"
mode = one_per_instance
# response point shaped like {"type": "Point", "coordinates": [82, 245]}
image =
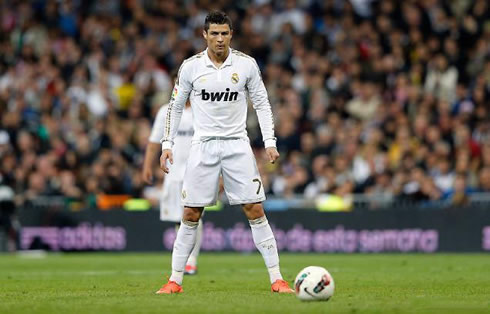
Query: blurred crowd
{"type": "Point", "coordinates": [386, 98]}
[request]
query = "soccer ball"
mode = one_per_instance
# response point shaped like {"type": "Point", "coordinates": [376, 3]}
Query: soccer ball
{"type": "Point", "coordinates": [314, 283]}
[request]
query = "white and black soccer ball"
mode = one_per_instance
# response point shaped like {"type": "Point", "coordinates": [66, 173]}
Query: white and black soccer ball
{"type": "Point", "coordinates": [314, 283]}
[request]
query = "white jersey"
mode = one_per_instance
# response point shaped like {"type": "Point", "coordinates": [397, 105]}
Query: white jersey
{"type": "Point", "coordinates": [218, 98]}
{"type": "Point", "coordinates": [182, 141]}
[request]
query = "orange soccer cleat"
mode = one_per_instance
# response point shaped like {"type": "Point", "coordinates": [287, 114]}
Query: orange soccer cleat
{"type": "Point", "coordinates": [190, 270]}
{"type": "Point", "coordinates": [170, 287]}
{"type": "Point", "coordinates": [281, 286]}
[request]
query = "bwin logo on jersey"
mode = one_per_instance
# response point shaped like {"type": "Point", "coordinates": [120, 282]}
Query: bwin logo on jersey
{"type": "Point", "coordinates": [219, 96]}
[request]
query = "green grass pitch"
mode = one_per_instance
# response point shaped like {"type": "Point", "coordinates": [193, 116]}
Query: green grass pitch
{"type": "Point", "coordinates": [234, 283]}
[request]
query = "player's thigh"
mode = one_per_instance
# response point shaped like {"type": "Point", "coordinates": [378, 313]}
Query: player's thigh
{"type": "Point", "coordinates": [241, 176]}
{"type": "Point", "coordinates": [201, 175]}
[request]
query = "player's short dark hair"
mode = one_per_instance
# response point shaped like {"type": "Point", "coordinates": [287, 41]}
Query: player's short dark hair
{"type": "Point", "coordinates": [217, 17]}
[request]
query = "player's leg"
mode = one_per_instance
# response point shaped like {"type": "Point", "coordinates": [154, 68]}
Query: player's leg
{"type": "Point", "coordinates": [200, 187]}
{"type": "Point", "coordinates": [183, 245]}
{"type": "Point", "coordinates": [266, 244]}
{"type": "Point", "coordinates": [191, 266]}
{"type": "Point", "coordinates": [173, 197]}
{"type": "Point", "coordinates": [243, 186]}
{"type": "Point", "coordinates": [201, 175]}
{"type": "Point", "coordinates": [171, 210]}
{"type": "Point", "coordinates": [263, 238]}
{"type": "Point", "coordinates": [185, 242]}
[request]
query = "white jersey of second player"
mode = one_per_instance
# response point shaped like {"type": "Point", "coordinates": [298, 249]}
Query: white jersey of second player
{"type": "Point", "coordinates": [182, 141]}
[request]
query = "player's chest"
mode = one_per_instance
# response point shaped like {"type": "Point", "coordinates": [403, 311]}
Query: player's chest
{"type": "Point", "coordinates": [227, 78]}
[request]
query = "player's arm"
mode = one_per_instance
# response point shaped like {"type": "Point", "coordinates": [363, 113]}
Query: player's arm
{"type": "Point", "coordinates": [180, 94]}
{"type": "Point", "coordinates": [154, 145]}
{"type": "Point", "coordinates": [262, 106]}
{"type": "Point", "coordinates": [151, 152]}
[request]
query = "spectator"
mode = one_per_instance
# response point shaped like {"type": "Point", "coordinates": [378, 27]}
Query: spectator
{"type": "Point", "coordinates": [365, 104]}
{"type": "Point", "coordinates": [484, 180]}
{"type": "Point", "coordinates": [458, 195]}
{"type": "Point", "coordinates": [441, 79]}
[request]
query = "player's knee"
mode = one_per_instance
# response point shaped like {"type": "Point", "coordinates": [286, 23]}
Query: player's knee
{"type": "Point", "coordinates": [253, 211]}
{"type": "Point", "coordinates": [192, 214]}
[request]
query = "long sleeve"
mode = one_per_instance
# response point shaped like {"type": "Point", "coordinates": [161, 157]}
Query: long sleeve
{"type": "Point", "coordinates": [261, 104]}
{"type": "Point", "coordinates": [180, 94]}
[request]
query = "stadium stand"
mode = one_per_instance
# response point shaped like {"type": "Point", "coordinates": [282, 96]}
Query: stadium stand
{"type": "Point", "coordinates": [380, 100]}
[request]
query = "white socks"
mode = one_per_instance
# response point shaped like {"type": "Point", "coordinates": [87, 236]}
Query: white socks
{"type": "Point", "coordinates": [188, 243]}
{"type": "Point", "coordinates": [197, 247]}
{"type": "Point", "coordinates": [183, 245]}
{"type": "Point", "coordinates": [266, 244]}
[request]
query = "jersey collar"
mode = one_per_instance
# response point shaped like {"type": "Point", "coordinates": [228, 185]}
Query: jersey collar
{"type": "Point", "coordinates": [209, 63]}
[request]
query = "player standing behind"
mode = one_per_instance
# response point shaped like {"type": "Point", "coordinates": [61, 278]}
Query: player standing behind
{"type": "Point", "coordinates": [171, 208]}
{"type": "Point", "coordinates": [218, 81]}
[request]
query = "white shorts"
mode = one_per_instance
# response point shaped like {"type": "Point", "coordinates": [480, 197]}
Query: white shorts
{"type": "Point", "coordinates": [234, 160]}
{"type": "Point", "coordinates": [171, 208]}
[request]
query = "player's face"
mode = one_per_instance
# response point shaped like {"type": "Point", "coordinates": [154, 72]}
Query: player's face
{"type": "Point", "coordinates": [218, 38]}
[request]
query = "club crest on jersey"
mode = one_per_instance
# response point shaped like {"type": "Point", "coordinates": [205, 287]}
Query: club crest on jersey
{"type": "Point", "coordinates": [234, 78]}
{"type": "Point", "coordinates": [184, 194]}
{"type": "Point", "coordinates": [219, 96]}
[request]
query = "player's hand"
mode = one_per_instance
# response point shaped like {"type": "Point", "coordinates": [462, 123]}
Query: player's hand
{"type": "Point", "coordinates": [166, 155]}
{"type": "Point", "coordinates": [272, 154]}
{"type": "Point", "coordinates": [147, 175]}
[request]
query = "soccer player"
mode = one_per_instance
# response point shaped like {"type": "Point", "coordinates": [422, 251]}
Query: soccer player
{"type": "Point", "coordinates": [171, 208]}
{"type": "Point", "coordinates": [218, 81]}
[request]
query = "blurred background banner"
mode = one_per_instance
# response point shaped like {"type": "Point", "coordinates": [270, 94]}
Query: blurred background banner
{"type": "Point", "coordinates": [305, 230]}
